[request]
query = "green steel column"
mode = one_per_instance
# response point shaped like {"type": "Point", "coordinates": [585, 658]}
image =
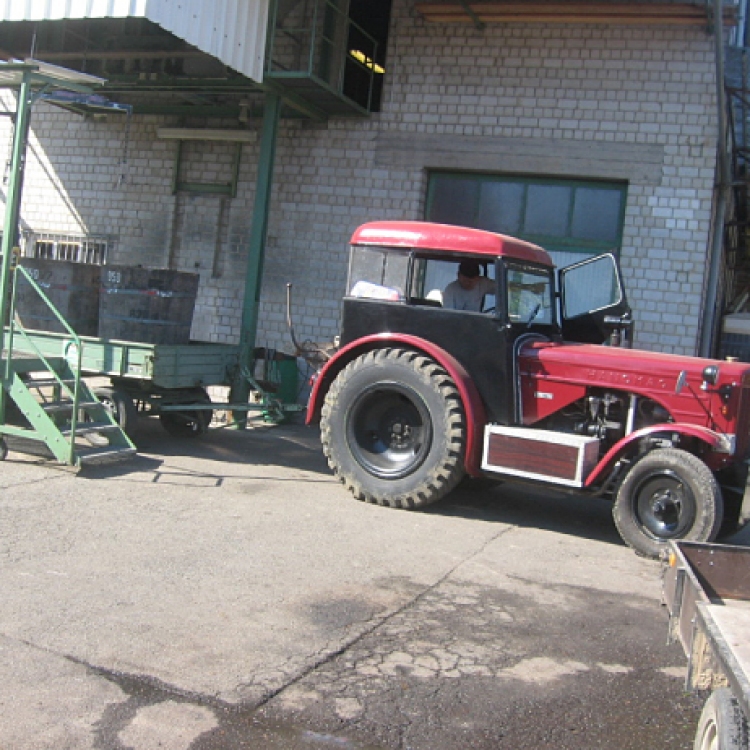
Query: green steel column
{"type": "Point", "coordinates": [257, 248]}
{"type": "Point", "coordinates": [12, 212]}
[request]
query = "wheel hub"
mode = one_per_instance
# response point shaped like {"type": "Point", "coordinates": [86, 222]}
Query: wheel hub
{"type": "Point", "coordinates": [663, 506]}
{"type": "Point", "coordinates": [401, 435]}
{"type": "Point", "coordinates": [389, 430]}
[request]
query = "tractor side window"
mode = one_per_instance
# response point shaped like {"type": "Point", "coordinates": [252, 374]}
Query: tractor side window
{"type": "Point", "coordinates": [529, 296]}
{"type": "Point", "coordinates": [432, 276]}
{"type": "Point", "coordinates": [377, 273]}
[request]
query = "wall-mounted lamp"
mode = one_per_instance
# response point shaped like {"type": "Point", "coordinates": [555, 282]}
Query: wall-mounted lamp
{"type": "Point", "coordinates": [207, 134]}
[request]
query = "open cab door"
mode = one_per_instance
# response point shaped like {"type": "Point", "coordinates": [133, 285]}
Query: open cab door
{"type": "Point", "coordinates": [593, 306]}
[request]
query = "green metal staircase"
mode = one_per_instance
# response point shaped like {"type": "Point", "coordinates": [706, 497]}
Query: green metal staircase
{"type": "Point", "coordinates": [44, 401]}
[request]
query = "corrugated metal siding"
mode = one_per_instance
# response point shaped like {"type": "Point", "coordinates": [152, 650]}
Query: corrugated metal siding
{"type": "Point", "coordinates": [56, 10]}
{"type": "Point", "coordinates": [234, 31]}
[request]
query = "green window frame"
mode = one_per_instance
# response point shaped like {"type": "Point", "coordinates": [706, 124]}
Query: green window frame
{"type": "Point", "coordinates": [565, 216]}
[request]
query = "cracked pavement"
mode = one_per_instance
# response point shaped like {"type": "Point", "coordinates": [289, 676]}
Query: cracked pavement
{"type": "Point", "coordinates": [227, 593]}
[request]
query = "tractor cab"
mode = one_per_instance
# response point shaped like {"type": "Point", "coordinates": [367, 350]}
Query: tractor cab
{"type": "Point", "coordinates": [414, 263]}
{"type": "Point", "coordinates": [401, 277]}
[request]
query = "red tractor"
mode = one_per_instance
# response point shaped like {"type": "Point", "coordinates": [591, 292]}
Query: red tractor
{"type": "Point", "coordinates": [523, 387]}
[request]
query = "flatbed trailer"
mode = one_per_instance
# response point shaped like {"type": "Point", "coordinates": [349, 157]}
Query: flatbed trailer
{"type": "Point", "coordinates": [167, 380]}
{"type": "Point", "coordinates": [707, 593]}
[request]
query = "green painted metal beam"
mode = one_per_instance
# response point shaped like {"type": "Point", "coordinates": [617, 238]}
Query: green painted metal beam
{"type": "Point", "coordinates": [296, 102]}
{"type": "Point", "coordinates": [170, 83]}
{"type": "Point", "coordinates": [12, 212]}
{"type": "Point", "coordinates": [230, 112]}
{"type": "Point", "coordinates": [256, 251]}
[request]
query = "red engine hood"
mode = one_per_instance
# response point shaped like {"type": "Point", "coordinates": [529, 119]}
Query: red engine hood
{"type": "Point", "coordinates": [553, 374]}
{"type": "Point", "coordinates": [611, 366]}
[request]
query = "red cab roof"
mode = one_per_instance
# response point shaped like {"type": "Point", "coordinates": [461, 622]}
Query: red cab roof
{"type": "Point", "coordinates": [422, 235]}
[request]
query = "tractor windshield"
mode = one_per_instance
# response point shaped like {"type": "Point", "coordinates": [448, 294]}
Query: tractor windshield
{"type": "Point", "coordinates": [529, 295]}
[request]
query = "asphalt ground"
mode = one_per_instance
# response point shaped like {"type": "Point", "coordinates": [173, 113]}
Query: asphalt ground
{"type": "Point", "coordinates": [227, 593]}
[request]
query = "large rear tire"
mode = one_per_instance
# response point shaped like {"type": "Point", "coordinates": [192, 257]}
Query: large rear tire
{"type": "Point", "coordinates": [393, 429]}
{"type": "Point", "coordinates": [669, 494]}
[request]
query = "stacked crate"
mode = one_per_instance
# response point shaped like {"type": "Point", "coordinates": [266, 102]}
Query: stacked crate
{"type": "Point", "coordinates": [154, 306]}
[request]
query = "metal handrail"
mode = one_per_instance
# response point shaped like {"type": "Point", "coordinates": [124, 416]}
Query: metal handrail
{"type": "Point", "coordinates": [15, 326]}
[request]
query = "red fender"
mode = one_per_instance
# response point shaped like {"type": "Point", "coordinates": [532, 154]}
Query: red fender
{"type": "Point", "coordinates": [474, 410]}
{"type": "Point", "coordinates": [715, 440]}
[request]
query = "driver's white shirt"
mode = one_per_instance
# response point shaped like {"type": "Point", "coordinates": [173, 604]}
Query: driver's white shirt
{"type": "Point", "coordinates": [456, 297]}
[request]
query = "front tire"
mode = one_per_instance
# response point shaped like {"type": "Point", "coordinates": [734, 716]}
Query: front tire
{"type": "Point", "coordinates": [393, 429]}
{"type": "Point", "coordinates": [722, 725]}
{"type": "Point", "coordinates": [669, 494]}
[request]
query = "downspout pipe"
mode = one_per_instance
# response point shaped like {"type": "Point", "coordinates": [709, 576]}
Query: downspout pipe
{"type": "Point", "coordinates": [716, 260]}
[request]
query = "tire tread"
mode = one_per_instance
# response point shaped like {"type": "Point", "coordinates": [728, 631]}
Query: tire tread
{"type": "Point", "coordinates": [447, 473]}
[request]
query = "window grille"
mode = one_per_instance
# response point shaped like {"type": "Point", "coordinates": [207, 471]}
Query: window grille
{"type": "Point", "coordinates": [88, 250]}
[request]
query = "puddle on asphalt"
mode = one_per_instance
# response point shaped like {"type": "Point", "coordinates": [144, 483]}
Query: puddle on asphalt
{"type": "Point", "coordinates": [234, 727]}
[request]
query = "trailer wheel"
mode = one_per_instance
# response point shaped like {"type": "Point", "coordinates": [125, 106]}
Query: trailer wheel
{"type": "Point", "coordinates": [185, 424]}
{"type": "Point", "coordinates": [393, 429]}
{"type": "Point", "coordinates": [121, 407]}
{"type": "Point", "coordinates": [722, 725]}
{"type": "Point", "coordinates": [668, 494]}
{"type": "Point", "coordinates": [3, 450]}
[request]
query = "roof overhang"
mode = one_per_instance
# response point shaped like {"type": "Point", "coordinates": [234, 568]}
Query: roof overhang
{"type": "Point", "coordinates": [232, 31]}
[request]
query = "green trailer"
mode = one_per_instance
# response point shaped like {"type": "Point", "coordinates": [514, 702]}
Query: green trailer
{"type": "Point", "coordinates": [170, 380]}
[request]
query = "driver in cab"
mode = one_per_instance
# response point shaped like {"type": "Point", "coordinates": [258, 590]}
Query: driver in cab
{"type": "Point", "coordinates": [469, 288]}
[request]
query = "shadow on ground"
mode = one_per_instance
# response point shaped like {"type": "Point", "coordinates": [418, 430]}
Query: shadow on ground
{"type": "Point", "coordinates": [297, 447]}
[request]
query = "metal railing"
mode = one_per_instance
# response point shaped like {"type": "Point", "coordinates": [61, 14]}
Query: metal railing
{"type": "Point", "coordinates": [318, 40]}
{"type": "Point", "coordinates": [74, 347]}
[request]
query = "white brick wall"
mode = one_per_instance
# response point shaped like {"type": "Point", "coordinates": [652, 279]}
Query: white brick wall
{"type": "Point", "coordinates": [556, 87]}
